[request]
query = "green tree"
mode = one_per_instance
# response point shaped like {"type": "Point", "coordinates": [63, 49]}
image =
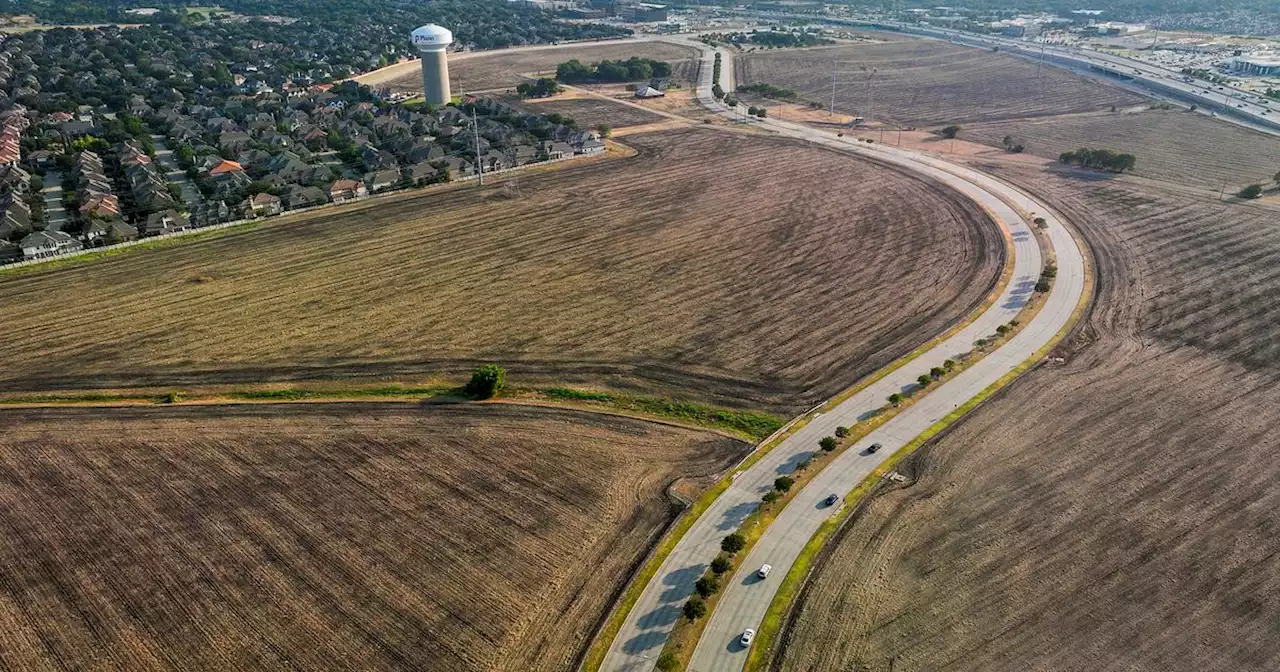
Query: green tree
{"type": "Point", "coordinates": [1042, 286]}
{"type": "Point", "coordinates": [605, 130]}
{"type": "Point", "coordinates": [949, 364]}
{"type": "Point", "coordinates": [721, 565]}
{"type": "Point", "coordinates": [1041, 223]}
{"type": "Point", "coordinates": [770, 497]}
{"type": "Point", "coordinates": [895, 398]}
{"type": "Point", "coordinates": [950, 131]}
{"type": "Point", "coordinates": [485, 382]}
{"type": "Point", "coordinates": [937, 372]}
{"type": "Point", "coordinates": [695, 608]}
{"type": "Point", "coordinates": [733, 543]}
{"type": "Point", "coordinates": [783, 483]}
{"type": "Point", "coordinates": [842, 431]}
{"type": "Point", "coordinates": [707, 586]}
{"type": "Point", "coordinates": [924, 380]}
{"type": "Point", "coordinates": [668, 662]}
{"type": "Point", "coordinates": [1251, 191]}
{"type": "Point", "coordinates": [828, 443]}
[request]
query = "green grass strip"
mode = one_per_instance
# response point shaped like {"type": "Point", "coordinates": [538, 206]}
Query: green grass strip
{"type": "Point", "coordinates": [753, 425]}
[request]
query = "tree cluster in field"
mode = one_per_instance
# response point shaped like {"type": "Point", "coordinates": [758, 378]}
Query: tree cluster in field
{"type": "Point", "coordinates": [776, 37]}
{"type": "Point", "coordinates": [486, 382]}
{"type": "Point", "coordinates": [379, 26]}
{"type": "Point", "coordinates": [757, 112]}
{"type": "Point", "coordinates": [769, 91]}
{"type": "Point", "coordinates": [950, 132]}
{"type": "Point", "coordinates": [634, 68]}
{"type": "Point", "coordinates": [1101, 159]}
{"type": "Point", "coordinates": [1012, 146]}
{"type": "Point", "coordinates": [541, 88]}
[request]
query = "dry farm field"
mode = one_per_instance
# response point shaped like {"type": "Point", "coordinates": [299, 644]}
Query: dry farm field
{"type": "Point", "coordinates": [590, 112]}
{"type": "Point", "coordinates": [741, 270]}
{"type": "Point", "coordinates": [484, 71]}
{"type": "Point", "coordinates": [926, 83]}
{"type": "Point", "coordinates": [1116, 512]}
{"type": "Point", "coordinates": [325, 536]}
{"type": "Point", "coordinates": [1170, 145]}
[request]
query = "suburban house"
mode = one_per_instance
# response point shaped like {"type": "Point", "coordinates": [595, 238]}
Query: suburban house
{"type": "Point", "coordinates": [422, 173]}
{"type": "Point", "coordinates": [43, 244]}
{"type": "Point", "coordinates": [346, 190]}
{"type": "Point", "coordinates": [169, 221]}
{"type": "Point", "coordinates": [98, 233]}
{"type": "Point", "coordinates": [591, 146]}
{"type": "Point", "coordinates": [306, 197]}
{"type": "Point", "coordinates": [557, 150]}
{"type": "Point", "coordinates": [382, 180]}
{"type": "Point", "coordinates": [265, 204]}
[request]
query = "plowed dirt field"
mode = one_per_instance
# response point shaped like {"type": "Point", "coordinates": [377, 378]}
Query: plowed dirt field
{"type": "Point", "coordinates": [1116, 512]}
{"type": "Point", "coordinates": [1170, 145]}
{"type": "Point", "coordinates": [325, 536]}
{"type": "Point", "coordinates": [742, 270]}
{"type": "Point", "coordinates": [928, 83]}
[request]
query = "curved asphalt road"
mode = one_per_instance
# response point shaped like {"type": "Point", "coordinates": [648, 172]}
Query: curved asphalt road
{"type": "Point", "coordinates": [745, 599]}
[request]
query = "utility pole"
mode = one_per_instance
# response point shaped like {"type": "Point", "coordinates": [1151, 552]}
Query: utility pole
{"type": "Point", "coordinates": [832, 111]}
{"type": "Point", "coordinates": [475, 128]}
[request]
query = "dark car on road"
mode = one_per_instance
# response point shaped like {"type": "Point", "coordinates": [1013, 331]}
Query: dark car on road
{"type": "Point", "coordinates": [873, 448]}
{"type": "Point", "coordinates": [831, 499]}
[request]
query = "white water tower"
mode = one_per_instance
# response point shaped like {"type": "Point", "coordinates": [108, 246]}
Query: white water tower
{"type": "Point", "coordinates": [431, 41]}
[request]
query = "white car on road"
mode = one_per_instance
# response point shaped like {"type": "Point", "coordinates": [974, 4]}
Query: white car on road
{"type": "Point", "coordinates": [764, 570]}
{"type": "Point", "coordinates": [747, 636]}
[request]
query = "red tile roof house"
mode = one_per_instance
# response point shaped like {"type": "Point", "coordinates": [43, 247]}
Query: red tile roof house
{"type": "Point", "coordinates": [343, 191]}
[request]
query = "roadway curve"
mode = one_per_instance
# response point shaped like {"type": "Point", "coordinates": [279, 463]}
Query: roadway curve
{"type": "Point", "coordinates": [744, 601]}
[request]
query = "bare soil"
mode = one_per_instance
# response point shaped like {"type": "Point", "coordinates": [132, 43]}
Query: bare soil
{"type": "Point", "coordinates": [745, 271]}
{"type": "Point", "coordinates": [928, 83]}
{"type": "Point", "coordinates": [1170, 145]}
{"type": "Point", "coordinates": [326, 536]}
{"type": "Point", "coordinates": [590, 112]}
{"type": "Point", "coordinates": [1116, 512]}
{"type": "Point", "coordinates": [484, 71]}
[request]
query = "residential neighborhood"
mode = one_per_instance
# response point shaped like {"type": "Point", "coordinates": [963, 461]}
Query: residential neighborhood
{"type": "Point", "coordinates": [86, 171]}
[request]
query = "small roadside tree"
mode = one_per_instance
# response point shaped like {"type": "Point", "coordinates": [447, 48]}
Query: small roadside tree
{"type": "Point", "coordinates": [707, 586]}
{"type": "Point", "coordinates": [770, 497]}
{"type": "Point", "coordinates": [486, 381]}
{"type": "Point", "coordinates": [783, 483]}
{"type": "Point", "coordinates": [924, 380]}
{"type": "Point", "coordinates": [949, 364]}
{"type": "Point", "coordinates": [1042, 286]}
{"type": "Point", "coordinates": [668, 662]}
{"type": "Point", "coordinates": [721, 565]}
{"type": "Point", "coordinates": [733, 543]}
{"type": "Point", "coordinates": [951, 131]}
{"type": "Point", "coordinates": [828, 443]}
{"type": "Point", "coordinates": [842, 431]}
{"type": "Point", "coordinates": [895, 398]}
{"type": "Point", "coordinates": [1251, 191]}
{"type": "Point", "coordinates": [695, 608]}
{"type": "Point", "coordinates": [1041, 223]}
{"type": "Point", "coordinates": [937, 372]}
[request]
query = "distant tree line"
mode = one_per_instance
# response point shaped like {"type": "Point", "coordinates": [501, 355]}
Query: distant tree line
{"type": "Point", "coordinates": [769, 91]}
{"type": "Point", "coordinates": [1101, 159]}
{"type": "Point", "coordinates": [541, 88]}
{"type": "Point", "coordinates": [634, 68]}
